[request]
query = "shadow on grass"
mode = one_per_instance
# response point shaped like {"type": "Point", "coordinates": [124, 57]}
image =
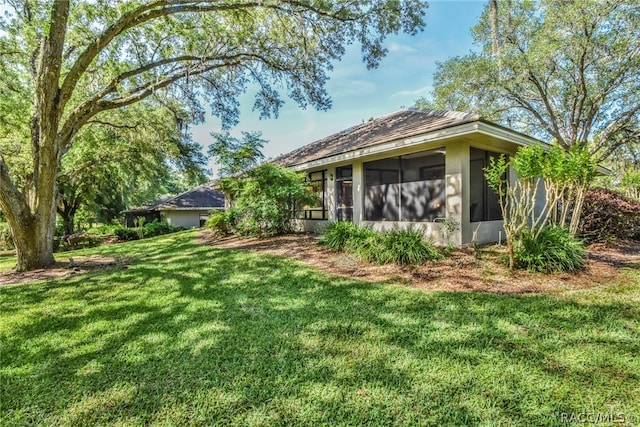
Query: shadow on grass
{"type": "Point", "coordinates": [193, 335]}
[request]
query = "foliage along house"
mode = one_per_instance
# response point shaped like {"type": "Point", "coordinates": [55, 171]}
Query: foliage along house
{"type": "Point", "coordinates": [412, 168]}
{"type": "Point", "coordinates": [189, 209]}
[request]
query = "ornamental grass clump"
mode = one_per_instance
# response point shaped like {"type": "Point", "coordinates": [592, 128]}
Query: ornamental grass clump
{"type": "Point", "coordinates": [336, 234]}
{"type": "Point", "coordinates": [402, 247]}
{"type": "Point", "coordinates": [554, 249]}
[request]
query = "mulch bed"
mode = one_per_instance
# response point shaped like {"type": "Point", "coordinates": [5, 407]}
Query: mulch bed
{"type": "Point", "coordinates": [60, 269]}
{"type": "Point", "coordinates": [462, 270]}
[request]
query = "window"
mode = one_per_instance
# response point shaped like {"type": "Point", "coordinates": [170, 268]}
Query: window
{"type": "Point", "coordinates": [317, 184]}
{"type": "Point", "coordinates": [344, 193]}
{"type": "Point", "coordinates": [484, 203]}
{"type": "Point", "coordinates": [406, 188]}
{"type": "Point", "coordinates": [203, 219]}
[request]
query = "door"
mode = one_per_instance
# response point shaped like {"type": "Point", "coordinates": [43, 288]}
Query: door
{"type": "Point", "coordinates": [344, 193]}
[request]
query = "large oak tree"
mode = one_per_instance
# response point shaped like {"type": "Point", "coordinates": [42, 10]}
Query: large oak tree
{"type": "Point", "coordinates": [66, 63]}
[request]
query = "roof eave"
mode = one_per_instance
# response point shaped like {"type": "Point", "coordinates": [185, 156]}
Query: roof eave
{"type": "Point", "coordinates": [193, 208]}
{"type": "Point", "coordinates": [463, 129]}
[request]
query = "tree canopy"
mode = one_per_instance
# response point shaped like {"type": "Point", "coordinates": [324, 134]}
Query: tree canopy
{"type": "Point", "coordinates": [112, 168]}
{"type": "Point", "coordinates": [67, 64]}
{"type": "Point", "coordinates": [566, 71]}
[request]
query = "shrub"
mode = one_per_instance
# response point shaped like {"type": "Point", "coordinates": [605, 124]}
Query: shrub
{"type": "Point", "coordinates": [158, 228]}
{"type": "Point", "coordinates": [553, 250]}
{"type": "Point", "coordinates": [609, 215]}
{"type": "Point", "coordinates": [150, 229]}
{"type": "Point", "coordinates": [103, 229]}
{"type": "Point", "coordinates": [125, 234]}
{"type": "Point", "coordinates": [266, 200]}
{"type": "Point", "coordinates": [78, 241]}
{"type": "Point", "coordinates": [218, 222]}
{"type": "Point", "coordinates": [403, 247]}
{"type": "Point", "coordinates": [336, 235]}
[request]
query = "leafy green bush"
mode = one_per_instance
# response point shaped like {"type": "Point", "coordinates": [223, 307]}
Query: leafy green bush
{"type": "Point", "coordinates": [403, 247]}
{"type": "Point", "coordinates": [158, 228]}
{"type": "Point", "coordinates": [553, 250]}
{"type": "Point", "coordinates": [150, 229]}
{"type": "Point", "coordinates": [219, 223]}
{"type": "Point", "coordinates": [125, 234]}
{"type": "Point", "coordinates": [79, 241]}
{"type": "Point", "coordinates": [266, 200]}
{"type": "Point", "coordinates": [103, 229]}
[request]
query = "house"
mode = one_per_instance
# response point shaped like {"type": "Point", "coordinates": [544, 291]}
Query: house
{"type": "Point", "coordinates": [412, 168]}
{"type": "Point", "coordinates": [189, 209]}
{"type": "Point", "coordinates": [132, 216]}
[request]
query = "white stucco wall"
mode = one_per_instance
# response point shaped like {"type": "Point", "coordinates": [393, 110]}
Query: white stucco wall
{"type": "Point", "coordinates": [186, 218]}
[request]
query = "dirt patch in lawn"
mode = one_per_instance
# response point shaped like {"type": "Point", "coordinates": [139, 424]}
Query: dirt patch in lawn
{"type": "Point", "coordinates": [461, 270]}
{"type": "Point", "coordinates": [61, 269]}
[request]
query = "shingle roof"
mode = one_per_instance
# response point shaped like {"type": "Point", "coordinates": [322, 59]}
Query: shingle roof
{"type": "Point", "coordinates": [401, 124]}
{"type": "Point", "coordinates": [201, 197]}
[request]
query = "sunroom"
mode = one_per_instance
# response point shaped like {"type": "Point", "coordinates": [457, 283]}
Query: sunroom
{"type": "Point", "coordinates": [414, 168]}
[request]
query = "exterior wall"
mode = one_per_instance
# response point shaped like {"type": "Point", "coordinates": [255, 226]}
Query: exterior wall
{"type": "Point", "coordinates": [457, 181]}
{"type": "Point", "coordinates": [486, 232]}
{"type": "Point", "coordinates": [186, 218]}
{"type": "Point", "coordinates": [431, 230]}
{"type": "Point", "coordinates": [310, 225]}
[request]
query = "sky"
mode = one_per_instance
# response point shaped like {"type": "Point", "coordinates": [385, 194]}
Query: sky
{"type": "Point", "coordinates": [404, 75]}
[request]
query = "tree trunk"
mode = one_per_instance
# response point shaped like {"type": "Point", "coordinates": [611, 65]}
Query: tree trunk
{"type": "Point", "coordinates": [33, 238]}
{"type": "Point", "coordinates": [68, 223]}
{"type": "Point", "coordinates": [31, 214]}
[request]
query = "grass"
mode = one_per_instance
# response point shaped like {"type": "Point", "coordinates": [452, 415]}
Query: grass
{"type": "Point", "coordinates": [193, 335]}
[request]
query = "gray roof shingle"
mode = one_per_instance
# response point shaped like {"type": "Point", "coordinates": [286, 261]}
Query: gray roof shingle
{"type": "Point", "coordinates": [197, 198]}
{"type": "Point", "coordinates": [401, 124]}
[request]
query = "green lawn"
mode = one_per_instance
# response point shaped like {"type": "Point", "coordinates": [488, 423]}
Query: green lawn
{"type": "Point", "coordinates": [190, 334]}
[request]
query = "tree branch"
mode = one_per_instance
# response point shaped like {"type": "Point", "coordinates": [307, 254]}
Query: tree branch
{"type": "Point", "coordinates": [90, 108]}
{"type": "Point", "coordinates": [138, 17]}
{"type": "Point", "coordinates": [100, 122]}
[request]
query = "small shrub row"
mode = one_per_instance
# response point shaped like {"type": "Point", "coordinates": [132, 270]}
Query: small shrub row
{"type": "Point", "coordinates": [607, 215]}
{"type": "Point", "coordinates": [103, 229]}
{"type": "Point", "coordinates": [402, 247]}
{"type": "Point", "coordinates": [78, 241]}
{"type": "Point", "coordinates": [150, 229]}
{"type": "Point", "coordinates": [553, 250]}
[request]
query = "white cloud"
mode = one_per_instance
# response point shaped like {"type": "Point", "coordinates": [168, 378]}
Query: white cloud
{"type": "Point", "coordinates": [423, 91]}
{"type": "Point", "coordinates": [398, 47]}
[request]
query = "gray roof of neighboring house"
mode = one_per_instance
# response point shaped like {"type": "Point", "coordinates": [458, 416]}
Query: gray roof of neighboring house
{"type": "Point", "coordinates": [401, 124]}
{"type": "Point", "coordinates": [202, 197]}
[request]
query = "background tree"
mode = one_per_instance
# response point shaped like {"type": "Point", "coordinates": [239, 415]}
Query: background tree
{"type": "Point", "coordinates": [76, 62]}
{"type": "Point", "coordinates": [263, 199]}
{"type": "Point", "coordinates": [235, 157]}
{"type": "Point", "coordinates": [559, 70]}
{"type": "Point", "coordinates": [135, 157]}
{"type": "Point", "coordinates": [267, 200]}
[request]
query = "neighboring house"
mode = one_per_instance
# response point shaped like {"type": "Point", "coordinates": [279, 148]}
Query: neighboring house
{"type": "Point", "coordinates": [412, 168]}
{"type": "Point", "coordinates": [132, 216]}
{"type": "Point", "coordinates": [189, 209]}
